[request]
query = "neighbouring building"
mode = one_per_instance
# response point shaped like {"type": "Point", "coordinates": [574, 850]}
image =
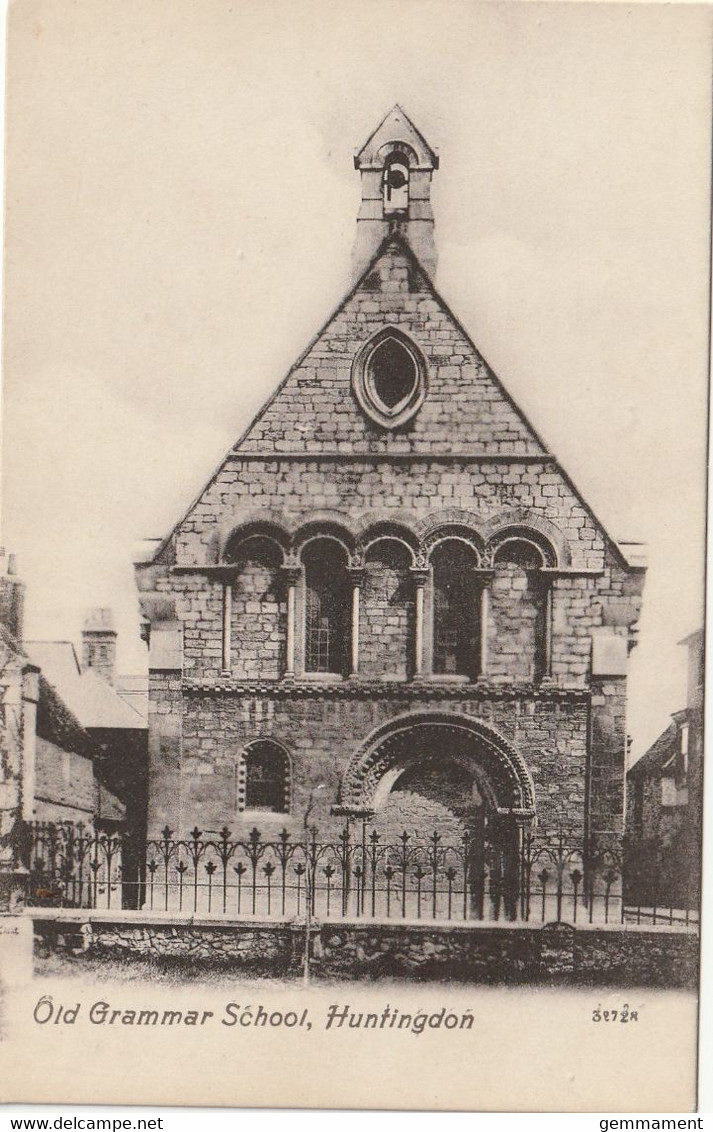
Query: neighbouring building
{"type": "Point", "coordinates": [664, 812]}
{"type": "Point", "coordinates": [115, 726]}
{"type": "Point", "coordinates": [73, 752]}
{"type": "Point", "coordinates": [49, 766]}
{"type": "Point", "coordinates": [390, 600]}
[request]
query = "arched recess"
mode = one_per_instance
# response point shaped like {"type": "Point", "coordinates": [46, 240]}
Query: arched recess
{"type": "Point", "coordinates": [397, 149]}
{"type": "Point", "coordinates": [456, 590]}
{"type": "Point", "coordinates": [542, 550]}
{"type": "Point", "coordinates": [385, 643]}
{"type": "Point", "coordinates": [378, 529]}
{"type": "Point", "coordinates": [497, 766]}
{"type": "Point", "coordinates": [446, 780]}
{"type": "Point", "coordinates": [514, 522]}
{"type": "Point", "coordinates": [326, 596]}
{"type": "Point", "coordinates": [323, 529]}
{"type": "Point", "coordinates": [264, 778]}
{"type": "Point", "coordinates": [252, 527]}
{"type": "Point", "coordinates": [259, 608]}
{"type": "Point", "coordinates": [519, 613]}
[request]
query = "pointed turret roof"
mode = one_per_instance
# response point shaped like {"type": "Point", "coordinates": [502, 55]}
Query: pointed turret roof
{"type": "Point", "coordinates": [396, 126]}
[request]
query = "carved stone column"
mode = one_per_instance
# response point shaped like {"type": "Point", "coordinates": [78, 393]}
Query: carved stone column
{"type": "Point", "coordinates": [420, 575]}
{"type": "Point", "coordinates": [547, 631]}
{"type": "Point", "coordinates": [486, 577]}
{"type": "Point", "coordinates": [291, 573]}
{"type": "Point", "coordinates": [357, 575]}
{"type": "Point", "coordinates": [227, 647]}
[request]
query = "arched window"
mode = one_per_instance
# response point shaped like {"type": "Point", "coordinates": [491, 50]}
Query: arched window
{"type": "Point", "coordinates": [327, 607]}
{"type": "Point", "coordinates": [396, 184]}
{"type": "Point", "coordinates": [516, 637]}
{"type": "Point", "coordinates": [264, 778]}
{"type": "Point", "coordinates": [259, 610]}
{"type": "Point", "coordinates": [456, 612]}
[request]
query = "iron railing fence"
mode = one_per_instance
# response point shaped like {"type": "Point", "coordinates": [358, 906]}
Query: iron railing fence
{"type": "Point", "coordinates": [358, 874]}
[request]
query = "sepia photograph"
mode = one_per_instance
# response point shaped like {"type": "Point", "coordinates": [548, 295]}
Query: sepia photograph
{"type": "Point", "coordinates": [355, 405]}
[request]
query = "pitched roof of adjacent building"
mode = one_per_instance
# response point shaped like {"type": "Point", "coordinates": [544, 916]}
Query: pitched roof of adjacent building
{"type": "Point", "coordinates": [659, 753]}
{"type": "Point", "coordinates": [94, 703]}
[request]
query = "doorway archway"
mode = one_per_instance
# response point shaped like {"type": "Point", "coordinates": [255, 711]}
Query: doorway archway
{"type": "Point", "coordinates": [449, 774]}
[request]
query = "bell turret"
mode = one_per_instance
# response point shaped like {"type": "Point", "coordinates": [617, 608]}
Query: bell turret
{"type": "Point", "coordinates": [396, 165]}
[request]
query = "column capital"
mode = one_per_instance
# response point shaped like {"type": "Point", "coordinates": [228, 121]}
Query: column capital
{"type": "Point", "coordinates": [357, 575]}
{"type": "Point", "coordinates": [354, 812]}
{"type": "Point", "coordinates": [420, 575]}
{"type": "Point", "coordinates": [226, 573]}
{"type": "Point", "coordinates": [484, 573]}
{"type": "Point", "coordinates": [291, 573]}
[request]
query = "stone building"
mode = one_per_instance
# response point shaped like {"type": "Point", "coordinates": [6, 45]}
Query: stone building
{"type": "Point", "coordinates": [72, 750]}
{"type": "Point", "coordinates": [51, 761]}
{"type": "Point", "coordinates": [390, 600]}
{"type": "Point", "coordinates": [664, 803]}
{"type": "Point", "coordinates": [116, 729]}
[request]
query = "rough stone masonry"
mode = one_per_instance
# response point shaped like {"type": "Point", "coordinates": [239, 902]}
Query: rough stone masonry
{"type": "Point", "coordinates": [390, 601]}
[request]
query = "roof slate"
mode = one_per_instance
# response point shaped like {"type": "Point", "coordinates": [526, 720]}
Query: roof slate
{"type": "Point", "coordinates": [658, 754]}
{"type": "Point", "coordinates": [94, 703]}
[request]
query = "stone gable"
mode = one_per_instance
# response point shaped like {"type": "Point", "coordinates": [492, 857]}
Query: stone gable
{"type": "Point", "coordinates": [465, 408]}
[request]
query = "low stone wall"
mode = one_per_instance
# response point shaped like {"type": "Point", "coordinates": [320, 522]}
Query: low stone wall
{"type": "Point", "coordinates": [269, 946]}
{"type": "Point", "coordinates": [512, 953]}
{"type": "Point", "coordinates": [475, 952]}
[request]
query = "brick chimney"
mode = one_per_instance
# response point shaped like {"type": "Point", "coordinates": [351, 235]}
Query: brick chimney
{"type": "Point", "coordinates": [99, 644]}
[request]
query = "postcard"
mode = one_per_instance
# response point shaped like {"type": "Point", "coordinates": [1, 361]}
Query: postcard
{"type": "Point", "coordinates": [352, 590]}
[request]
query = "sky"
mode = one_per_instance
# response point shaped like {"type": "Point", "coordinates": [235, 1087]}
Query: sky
{"type": "Point", "coordinates": [180, 211]}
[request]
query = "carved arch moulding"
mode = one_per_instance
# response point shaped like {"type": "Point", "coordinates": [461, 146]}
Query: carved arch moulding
{"type": "Point", "coordinates": [291, 534]}
{"type": "Point", "coordinates": [406, 739]}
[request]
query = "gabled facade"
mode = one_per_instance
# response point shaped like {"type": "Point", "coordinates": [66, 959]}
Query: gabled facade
{"type": "Point", "coordinates": [390, 600]}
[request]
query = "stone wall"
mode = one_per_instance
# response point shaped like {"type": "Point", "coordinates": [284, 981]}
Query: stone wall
{"type": "Point", "coordinates": [484, 486]}
{"type": "Point", "coordinates": [315, 407]}
{"type": "Point", "coordinates": [65, 786]}
{"type": "Point", "coordinates": [257, 945]}
{"type": "Point", "coordinates": [515, 629]}
{"type": "Point", "coordinates": [607, 759]}
{"type": "Point", "coordinates": [258, 620]}
{"type": "Point", "coordinates": [503, 953]}
{"type": "Point", "coordinates": [511, 954]}
{"type": "Point", "coordinates": [322, 731]}
{"type": "Point", "coordinates": [313, 460]}
{"type": "Point", "coordinates": [385, 642]}
{"type": "Point", "coordinates": [426, 799]}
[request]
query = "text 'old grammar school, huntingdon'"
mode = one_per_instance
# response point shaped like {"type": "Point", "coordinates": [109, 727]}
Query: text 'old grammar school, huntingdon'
{"type": "Point", "coordinates": [390, 601]}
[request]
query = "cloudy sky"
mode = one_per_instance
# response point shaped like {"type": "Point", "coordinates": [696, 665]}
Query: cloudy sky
{"type": "Point", "coordinates": [181, 204]}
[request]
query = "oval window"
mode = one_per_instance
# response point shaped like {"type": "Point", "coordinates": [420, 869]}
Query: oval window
{"type": "Point", "coordinates": [389, 378]}
{"type": "Point", "coordinates": [392, 374]}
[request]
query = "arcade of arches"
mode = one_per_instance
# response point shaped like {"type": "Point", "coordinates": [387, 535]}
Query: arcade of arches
{"type": "Point", "coordinates": [381, 616]}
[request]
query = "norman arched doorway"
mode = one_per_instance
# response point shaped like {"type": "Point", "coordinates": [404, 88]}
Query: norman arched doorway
{"type": "Point", "coordinates": [448, 774]}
